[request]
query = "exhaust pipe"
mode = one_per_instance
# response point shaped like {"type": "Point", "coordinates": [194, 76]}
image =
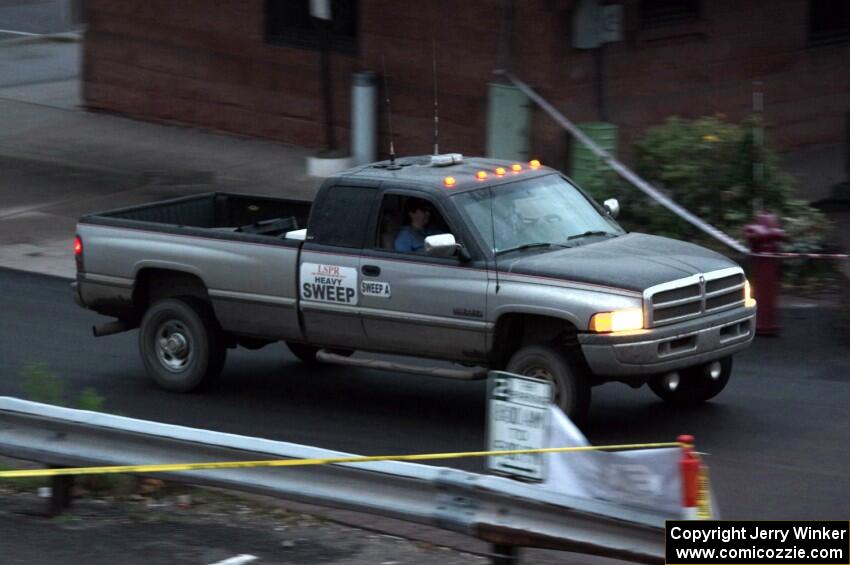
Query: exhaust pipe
{"type": "Point", "coordinates": [114, 327]}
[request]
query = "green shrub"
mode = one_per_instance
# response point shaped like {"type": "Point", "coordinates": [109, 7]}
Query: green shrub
{"type": "Point", "coordinates": [89, 399]}
{"type": "Point", "coordinates": [706, 165]}
{"type": "Point", "coordinates": [21, 483]}
{"type": "Point", "coordinates": [40, 384]}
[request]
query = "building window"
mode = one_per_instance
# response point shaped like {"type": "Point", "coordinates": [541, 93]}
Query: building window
{"type": "Point", "coordinates": [289, 22]}
{"type": "Point", "coordinates": [656, 13]}
{"type": "Point", "coordinates": [829, 22]}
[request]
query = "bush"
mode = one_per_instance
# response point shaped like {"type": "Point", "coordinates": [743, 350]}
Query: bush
{"type": "Point", "coordinates": [706, 165]}
{"type": "Point", "coordinates": [40, 384]}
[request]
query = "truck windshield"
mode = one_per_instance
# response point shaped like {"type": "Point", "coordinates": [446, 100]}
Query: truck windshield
{"type": "Point", "coordinates": [542, 213]}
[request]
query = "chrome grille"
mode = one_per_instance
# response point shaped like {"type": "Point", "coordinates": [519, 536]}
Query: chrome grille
{"type": "Point", "coordinates": [694, 296]}
{"type": "Point", "coordinates": [666, 296]}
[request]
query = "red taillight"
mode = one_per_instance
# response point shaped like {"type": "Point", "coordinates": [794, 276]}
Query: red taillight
{"type": "Point", "coordinates": [78, 253]}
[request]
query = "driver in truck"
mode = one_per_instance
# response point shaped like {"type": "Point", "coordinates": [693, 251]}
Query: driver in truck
{"type": "Point", "coordinates": [411, 237]}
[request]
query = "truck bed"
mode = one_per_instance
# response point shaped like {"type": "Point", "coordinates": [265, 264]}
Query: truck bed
{"type": "Point", "coordinates": [233, 244]}
{"type": "Point", "coordinates": [223, 213]}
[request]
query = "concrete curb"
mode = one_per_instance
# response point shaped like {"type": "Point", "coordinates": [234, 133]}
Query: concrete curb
{"type": "Point", "coordinates": [63, 37]}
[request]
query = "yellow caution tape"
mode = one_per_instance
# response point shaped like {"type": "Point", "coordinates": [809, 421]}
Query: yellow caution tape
{"type": "Point", "coordinates": [307, 462]}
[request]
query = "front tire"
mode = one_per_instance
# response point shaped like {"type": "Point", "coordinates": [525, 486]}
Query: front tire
{"type": "Point", "coordinates": [694, 385]}
{"type": "Point", "coordinates": [181, 345]}
{"type": "Point", "coordinates": [571, 386]}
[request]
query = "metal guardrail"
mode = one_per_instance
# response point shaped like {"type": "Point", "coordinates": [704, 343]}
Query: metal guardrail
{"type": "Point", "coordinates": [493, 509]}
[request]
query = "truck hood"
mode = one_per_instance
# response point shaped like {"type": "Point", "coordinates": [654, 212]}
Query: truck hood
{"type": "Point", "coordinates": [634, 261]}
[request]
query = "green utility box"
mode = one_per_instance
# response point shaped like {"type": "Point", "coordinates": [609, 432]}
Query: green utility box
{"type": "Point", "coordinates": [508, 123]}
{"type": "Point", "coordinates": [584, 164]}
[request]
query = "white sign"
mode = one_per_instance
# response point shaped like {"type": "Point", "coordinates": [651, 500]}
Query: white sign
{"type": "Point", "coordinates": [375, 288]}
{"type": "Point", "coordinates": [328, 283]}
{"type": "Point", "coordinates": [640, 478]}
{"type": "Point", "coordinates": [517, 418]}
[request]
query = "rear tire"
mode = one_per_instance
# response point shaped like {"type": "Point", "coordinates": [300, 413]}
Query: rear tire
{"type": "Point", "coordinates": [569, 380]}
{"type": "Point", "coordinates": [307, 353]}
{"type": "Point", "coordinates": [695, 384]}
{"type": "Point", "coordinates": [181, 344]}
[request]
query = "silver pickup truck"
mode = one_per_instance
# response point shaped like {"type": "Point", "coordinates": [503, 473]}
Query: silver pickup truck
{"type": "Point", "coordinates": [483, 263]}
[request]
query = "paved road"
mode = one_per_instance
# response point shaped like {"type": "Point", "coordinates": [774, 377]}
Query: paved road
{"type": "Point", "coordinates": [777, 437]}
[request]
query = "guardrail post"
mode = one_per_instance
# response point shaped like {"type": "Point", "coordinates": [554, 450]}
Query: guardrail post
{"type": "Point", "coordinates": [60, 494]}
{"type": "Point", "coordinates": [505, 554]}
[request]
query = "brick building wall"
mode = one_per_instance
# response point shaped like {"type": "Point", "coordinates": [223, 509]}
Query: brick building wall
{"type": "Point", "coordinates": [209, 63]}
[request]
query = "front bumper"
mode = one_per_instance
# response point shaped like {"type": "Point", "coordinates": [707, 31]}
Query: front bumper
{"type": "Point", "coordinates": [659, 350]}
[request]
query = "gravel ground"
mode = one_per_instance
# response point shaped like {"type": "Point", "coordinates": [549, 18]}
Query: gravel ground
{"type": "Point", "coordinates": [167, 524]}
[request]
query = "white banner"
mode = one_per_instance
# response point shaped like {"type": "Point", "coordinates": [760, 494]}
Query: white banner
{"type": "Point", "coordinates": [644, 478]}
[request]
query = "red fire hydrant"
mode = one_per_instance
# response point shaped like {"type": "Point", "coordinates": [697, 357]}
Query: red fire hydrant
{"type": "Point", "coordinates": [764, 236]}
{"type": "Point", "coordinates": [689, 467]}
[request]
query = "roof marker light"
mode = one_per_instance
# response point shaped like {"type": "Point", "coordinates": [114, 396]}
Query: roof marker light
{"type": "Point", "coordinates": [481, 175]}
{"type": "Point", "coordinates": [449, 181]}
{"type": "Point", "coordinates": [500, 171]}
{"type": "Point", "coordinates": [516, 167]}
{"type": "Point", "coordinates": [534, 163]}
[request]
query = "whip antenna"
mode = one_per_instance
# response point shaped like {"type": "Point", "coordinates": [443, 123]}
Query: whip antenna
{"type": "Point", "coordinates": [436, 108]}
{"type": "Point", "coordinates": [493, 233]}
{"type": "Point", "coordinates": [389, 109]}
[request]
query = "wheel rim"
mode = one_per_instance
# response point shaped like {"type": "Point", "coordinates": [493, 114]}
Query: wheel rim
{"type": "Point", "coordinates": [543, 373]}
{"type": "Point", "coordinates": [173, 345]}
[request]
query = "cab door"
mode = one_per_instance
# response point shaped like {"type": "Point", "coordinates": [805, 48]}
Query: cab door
{"type": "Point", "coordinates": [415, 304]}
{"type": "Point", "coordinates": [329, 276]}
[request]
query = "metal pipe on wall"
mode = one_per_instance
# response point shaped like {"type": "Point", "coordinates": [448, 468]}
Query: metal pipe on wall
{"type": "Point", "coordinates": [364, 92]}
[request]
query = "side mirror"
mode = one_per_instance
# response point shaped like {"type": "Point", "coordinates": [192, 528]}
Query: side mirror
{"type": "Point", "coordinates": [613, 207]}
{"type": "Point", "coordinates": [442, 245]}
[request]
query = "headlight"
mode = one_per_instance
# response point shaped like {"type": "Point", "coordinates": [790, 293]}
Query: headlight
{"type": "Point", "coordinates": [749, 301]}
{"type": "Point", "coordinates": [617, 321]}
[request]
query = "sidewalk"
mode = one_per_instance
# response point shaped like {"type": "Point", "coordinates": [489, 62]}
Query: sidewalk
{"type": "Point", "coordinates": [60, 162]}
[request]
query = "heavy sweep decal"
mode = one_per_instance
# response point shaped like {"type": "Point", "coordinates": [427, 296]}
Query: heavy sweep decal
{"type": "Point", "coordinates": [328, 283]}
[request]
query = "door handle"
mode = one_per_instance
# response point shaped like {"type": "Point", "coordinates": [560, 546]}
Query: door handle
{"type": "Point", "coordinates": [370, 270]}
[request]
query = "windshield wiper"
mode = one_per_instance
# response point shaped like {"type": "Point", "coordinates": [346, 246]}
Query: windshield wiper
{"type": "Point", "coordinates": [525, 246]}
{"type": "Point", "coordinates": [591, 232]}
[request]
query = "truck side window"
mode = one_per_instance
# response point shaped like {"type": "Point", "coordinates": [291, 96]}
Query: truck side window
{"type": "Point", "coordinates": [343, 217]}
{"type": "Point", "coordinates": [399, 220]}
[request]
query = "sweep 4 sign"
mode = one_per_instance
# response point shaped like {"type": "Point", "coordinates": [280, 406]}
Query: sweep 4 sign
{"type": "Point", "coordinates": [329, 283]}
